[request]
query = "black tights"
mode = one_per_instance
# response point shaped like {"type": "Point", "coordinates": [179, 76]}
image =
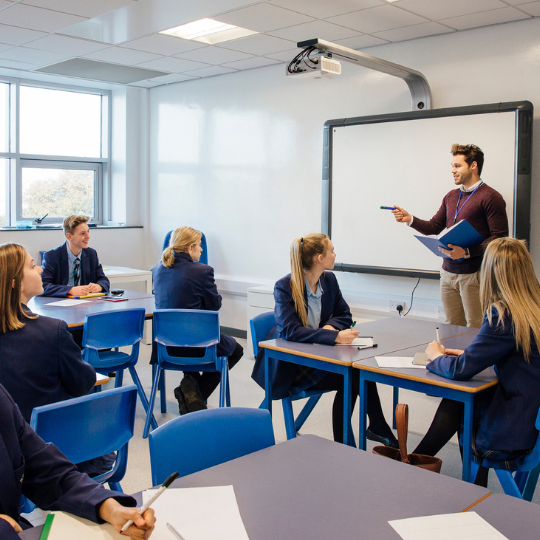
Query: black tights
{"type": "Point", "coordinates": [377, 422]}
{"type": "Point", "coordinates": [445, 425]}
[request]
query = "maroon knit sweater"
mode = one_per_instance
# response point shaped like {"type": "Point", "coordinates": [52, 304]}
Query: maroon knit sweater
{"type": "Point", "coordinates": [485, 211]}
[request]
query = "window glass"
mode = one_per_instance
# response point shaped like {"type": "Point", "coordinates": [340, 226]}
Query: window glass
{"type": "Point", "coordinates": [4, 175]}
{"type": "Point", "coordinates": [58, 192]}
{"type": "Point", "coordinates": [4, 117]}
{"type": "Point", "coordinates": [60, 123]}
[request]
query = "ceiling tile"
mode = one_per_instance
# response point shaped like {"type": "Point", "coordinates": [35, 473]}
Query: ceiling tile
{"type": "Point", "coordinates": [321, 9]}
{"type": "Point", "coordinates": [5, 63]}
{"type": "Point", "coordinates": [251, 63]}
{"type": "Point", "coordinates": [316, 29]}
{"type": "Point", "coordinates": [361, 42]}
{"type": "Point", "coordinates": [84, 8]}
{"type": "Point", "coordinates": [259, 44]}
{"type": "Point", "coordinates": [378, 19]}
{"type": "Point", "coordinates": [284, 56]}
{"type": "Point", "coordinates": [443, 9]}
{"type": "Point", "coordinates": [33, 56]}
{"type": "Point", "coordinates": [413, 32]}
{"type": "Point", "coordinates": [532, 8]}
{"type": "Point", "coordinates": [121, 55]}
{"type": "Point", "coordinates": [5, 47]}
{"type": "Point", "coordinates": [18, 36]}
{"type": "Point", "coordinates": [61, 44]}
{"type": "Point", "coordinates": [161, 44]}
{"type": "Point", "coordinates": [485, 18]}
{"type": "Point", "coordinates": [214, 55]}
{"type": "Point", "coordinates": [263, 17]}
{"type": "Point", "coordinates": [172, 78]}
{"type": "Point", "coordinates": [37, 18]}
{"type": "Point", "coordinates": [174, 65]}
{"type": "Point", "coordinates": [145, 84]}
{"type": "Point", "coordinates": [210, 71]}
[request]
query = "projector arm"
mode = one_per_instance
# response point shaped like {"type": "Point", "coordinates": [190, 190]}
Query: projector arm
{"type": "Point", "coordinates": [417, 83]}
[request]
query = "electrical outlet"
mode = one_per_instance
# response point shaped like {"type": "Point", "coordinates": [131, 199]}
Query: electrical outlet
{"type": "Point", "coordinates": [393, 306]}
{"type": "Point", "coordinates": [441, 313]}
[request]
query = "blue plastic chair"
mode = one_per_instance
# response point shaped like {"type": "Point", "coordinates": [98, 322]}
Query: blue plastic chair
{"type": "Point", "coordinates": [204, 254]}
{"type": "Point", "coordinates": [202, 439]}
{"type": "Point", "coordinates": [186, 328]}
{"type": "Point", "coordinates": [87, 427]}
{"type": "Point", "coordinates": [113, 329]}
{"type": "Point", "coordinates": [521, 480]}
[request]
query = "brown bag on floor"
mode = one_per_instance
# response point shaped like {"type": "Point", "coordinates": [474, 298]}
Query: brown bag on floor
{"type": "Point", "coordinates": [418, 460]}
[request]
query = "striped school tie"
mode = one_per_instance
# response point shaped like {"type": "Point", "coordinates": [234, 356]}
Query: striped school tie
{"type": "Point", "coordinates": [77, 272]}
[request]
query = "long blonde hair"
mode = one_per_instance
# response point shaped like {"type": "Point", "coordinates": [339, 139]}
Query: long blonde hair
{"type": "Point", "coordinates": [181, 239]}
{"type": "Point", "coordinates": [12, 259]}
{"type": "Point", "coordinates": [508, 283]}
{"type": "Point", "coordinates": [303, 251]}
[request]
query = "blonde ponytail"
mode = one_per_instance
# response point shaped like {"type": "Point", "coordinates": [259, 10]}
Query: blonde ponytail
{"type": "Point", "coordinates": [181, 240]}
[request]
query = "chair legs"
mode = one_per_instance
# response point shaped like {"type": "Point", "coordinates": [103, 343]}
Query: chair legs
{"type": "Point", "coordinates": [292, 425]}
{"type": "Point", "coordinates": [224, 391]}
{"type": "Point", "coordinates": [142, 396]}
{"type": "Point", "coordinates": [306, 411]}
{"type": "Point", "coordinates": [155, 381]}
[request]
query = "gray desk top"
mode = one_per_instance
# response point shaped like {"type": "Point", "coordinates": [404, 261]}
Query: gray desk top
{"type": "Point", "coordinates": [310, 488]}
{"type": "Point", "coordinates": [516, 519]}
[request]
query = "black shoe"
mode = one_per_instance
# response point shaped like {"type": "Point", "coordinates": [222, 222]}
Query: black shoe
{"type": "Point", "coordinates": [182, 408]}
{"type": "Point", "coordinates": [387, 441]}
{"type": "Point", "coordinates": [192, 394]}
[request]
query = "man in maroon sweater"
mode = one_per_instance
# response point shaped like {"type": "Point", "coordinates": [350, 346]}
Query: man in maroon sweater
{"type": "Point", "coordinates": [485, 209]}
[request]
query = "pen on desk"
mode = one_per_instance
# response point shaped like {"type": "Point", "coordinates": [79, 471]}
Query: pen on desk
{"type": "Point", "coordinates": [438, 335]}
{"type": "Point", "coordinates": [146, 506]}
{"type": "Point", "coordinates": [175, 532]}
{"type": "Point", "coordinates": [388, 208]}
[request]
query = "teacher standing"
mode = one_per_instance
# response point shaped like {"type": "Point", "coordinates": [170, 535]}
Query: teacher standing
{"type": "Point", "coordinates": [484, 209]}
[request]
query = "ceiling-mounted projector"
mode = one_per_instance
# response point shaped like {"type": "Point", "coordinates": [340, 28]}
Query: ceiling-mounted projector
{"type": "Point", "coordinates": [314, 68]}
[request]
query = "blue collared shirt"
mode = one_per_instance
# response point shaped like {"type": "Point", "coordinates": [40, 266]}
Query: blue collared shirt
{"type": "Point", "coordinates": [314, 305]}
{"type": "Point", "coordinates": [71, 264]}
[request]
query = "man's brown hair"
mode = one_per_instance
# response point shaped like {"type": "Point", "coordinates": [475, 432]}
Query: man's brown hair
{"type": "Point", "coordinates": [72, 222]}
{"type": "Point", "coordinates": [471, 153]}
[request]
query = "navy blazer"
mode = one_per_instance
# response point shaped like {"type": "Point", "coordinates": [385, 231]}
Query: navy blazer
{"type": "Point", "coordinates": [334, 311]}
{"type": "Point", "coordinates": [41, 364]}
{"type": "Point", "coordinates": [507, 420]}
{"type": "Point", "coordinates": [56, 271]}
{"type": "Point", "coordinates": [42, 473]}
{"type": "Point", "coordinates": [187, 285]}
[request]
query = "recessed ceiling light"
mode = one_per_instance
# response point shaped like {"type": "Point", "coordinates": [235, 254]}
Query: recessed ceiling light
{"type": "Point", "coordinates": [390, 1]}
{"type": "Point", "coordinates": [208, 31]}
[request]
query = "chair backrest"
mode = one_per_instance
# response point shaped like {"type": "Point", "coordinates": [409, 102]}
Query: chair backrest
{"type": "Point", "coordinates": [87, 427]}
{"type": "Point", "coordinates": [260, 327]}
{"type": "Point", "coordinates": [202, 439]}
{"type": "Point", "coordinates": [204, 254]}
{"type": "Point", "coordinates": [117, 328]}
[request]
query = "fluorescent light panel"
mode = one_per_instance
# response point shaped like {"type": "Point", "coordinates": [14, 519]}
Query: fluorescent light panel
{"type": "Point", "coordinates": [208, 31]}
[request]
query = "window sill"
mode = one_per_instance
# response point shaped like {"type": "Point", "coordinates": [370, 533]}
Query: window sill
{"type": "Point", "coordinates": [59, 228]}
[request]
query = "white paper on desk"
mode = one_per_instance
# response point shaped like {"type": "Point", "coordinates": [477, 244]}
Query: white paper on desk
{"type": "Point", "coordinates": [364, 342]}
{"type": "Point", "coordinates": [397, 362]}
{"type": "Point", "coordinates": [202, 513]}
{"type": "Point", "coordinates": [462, 526]}
{"type": "Point", "coordinates": [67, 303]}
{"type": "Point", "coordinates": [68, 527]}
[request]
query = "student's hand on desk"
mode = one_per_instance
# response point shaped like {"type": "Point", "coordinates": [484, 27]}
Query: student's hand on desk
{"type": "Point", "coordinates": [80, 290]}
{"type": "Point", "coordinates": [347, 336]}
{"type": "Point", "coordinates": [454, 352]}
{"type": "Point", "coordinates": [12, 522]}
{"type": "Point", "coordinates": [434, 350]}
{"type": "Point", "coordinates": [94, 287]}
{"type": "Point", "coordinates": [117, 515]}
{"type": "Point", "coordinates": [455, 253]}
{"type": "Point", "coordinates": [401, 215]}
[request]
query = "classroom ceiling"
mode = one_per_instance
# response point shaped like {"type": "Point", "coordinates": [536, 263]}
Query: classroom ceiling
{"type": "Point", "coordinates": [118, 40]}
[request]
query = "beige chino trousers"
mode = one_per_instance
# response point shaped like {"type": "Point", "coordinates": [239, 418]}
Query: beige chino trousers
{"type": "Point", "coordinates": [460, 294]}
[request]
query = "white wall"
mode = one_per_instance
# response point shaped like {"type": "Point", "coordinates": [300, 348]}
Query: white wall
{"type": "Point", "coordinates": [239, 156]}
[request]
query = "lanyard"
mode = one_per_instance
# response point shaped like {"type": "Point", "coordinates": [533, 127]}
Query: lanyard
{"type": "Point", "coordinates": [460, 194]}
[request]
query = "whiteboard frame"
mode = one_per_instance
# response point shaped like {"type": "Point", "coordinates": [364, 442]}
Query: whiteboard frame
{"type": "Point", "coordinates": [522, 171]}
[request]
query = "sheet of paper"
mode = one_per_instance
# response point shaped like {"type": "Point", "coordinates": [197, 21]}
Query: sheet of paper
{"type": "Point", "coordinates": [360, 342]}
{"type": "Point", "coordinates": [397, 362]}
{"type": "Point", "coordinates": [206, 513]}
{"type": "Point", "coordinates": [67, 303]}
{"type": "Point", "coordinates": [68, 527]}
{"type": "Point", "coordinates": [462, 526]}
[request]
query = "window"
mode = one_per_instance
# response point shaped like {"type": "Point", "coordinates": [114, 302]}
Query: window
{"type": "Point", "coordinates": [54, 158]}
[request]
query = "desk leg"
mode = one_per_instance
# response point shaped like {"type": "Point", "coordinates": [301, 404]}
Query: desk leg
{"type": "Point", "coordinates": [347, 413]}
{"type": "Point", "coordinates": [267, 382]}
{"type": "Point", "coordinates": [362, 410]}
{"type": "Point", "coordinates": [467, 438]}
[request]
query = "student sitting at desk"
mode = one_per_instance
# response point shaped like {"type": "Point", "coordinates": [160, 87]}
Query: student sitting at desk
{"type": "Point", "coordinates": [310, 309]}
{"type": "Point", "coordinates": [41, 472]}
{"type": "Point", "coordinates": [508, 339]}
{"type": "Point", "coordinates": [39, 361]}
{"type": "Point", "coordinates": [179, 283]}
{"type": "Point", "coordinates": [73, 268]}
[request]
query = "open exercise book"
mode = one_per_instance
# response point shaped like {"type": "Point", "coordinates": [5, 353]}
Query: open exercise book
{"type": "Point", "coordinates": [362, 342]}
{"type": "Point", "coordinates": [186, 509]}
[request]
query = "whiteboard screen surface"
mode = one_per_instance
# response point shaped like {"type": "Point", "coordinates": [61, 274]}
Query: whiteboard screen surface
{"type": "Point", "coordinates": [408, 163]}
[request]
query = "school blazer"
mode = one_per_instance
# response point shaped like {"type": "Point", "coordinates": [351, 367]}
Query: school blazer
{"type": "Point", "coordinates": [507, 420]}
{"type": "Point", "coordinates": [334, 311]}
{"type": "Point", "coordinates": [56, 271]}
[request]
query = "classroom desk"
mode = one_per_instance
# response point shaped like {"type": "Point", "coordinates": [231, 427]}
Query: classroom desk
{"type": "Point", "coordinates": [310, 488]}
{"type": "Point", "coordinates": [390, 334]}
{"type": "Point", "coordinates": [422, 380]}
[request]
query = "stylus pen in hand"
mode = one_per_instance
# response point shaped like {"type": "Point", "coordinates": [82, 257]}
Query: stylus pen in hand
{"type": "Point", "coordinates": [438, 335]}
{"type": "Point", "coordinates": [146, 506]}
